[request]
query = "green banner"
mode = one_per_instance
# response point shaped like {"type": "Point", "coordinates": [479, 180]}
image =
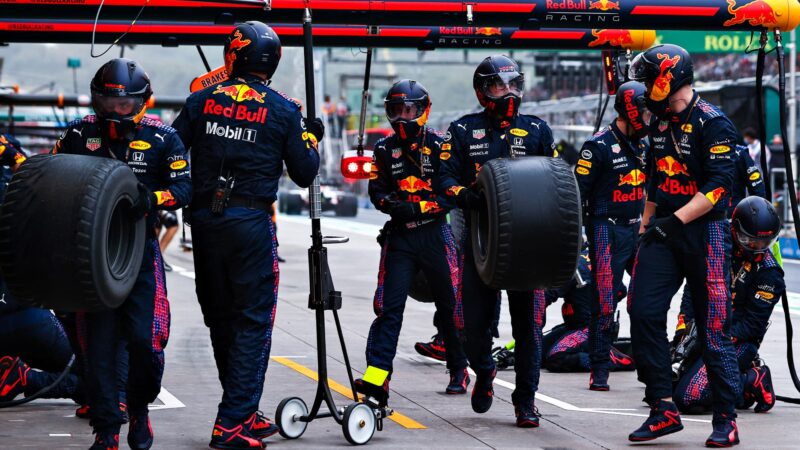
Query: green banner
{"type": "Point", "coordinates": [710, 41]}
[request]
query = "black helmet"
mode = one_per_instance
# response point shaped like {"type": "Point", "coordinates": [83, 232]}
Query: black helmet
{"type": "Point", "coordinates": [755, 224]}
{"type": "Point", "coordinates": [252, 47]}
{"type": "Point", "coordinates": [630, 105]}
{"type": "Point", "coordinates": [120, 91]}
{"type": "Point", "coordinates": [663, 69]}
{"type": "Point", "coordinates": [407, 106]}
{"type": "Point", "coordinates": [499, 85]}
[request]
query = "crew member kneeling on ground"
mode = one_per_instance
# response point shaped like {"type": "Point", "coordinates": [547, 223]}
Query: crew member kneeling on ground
{"type": "Point", "coordinates": [239, 133]}
{"type": "Point", "coordinates": [418, 237]}
{"type": "Point", "coordinates": [758, 285]}
{"type": "Point", "coordinates": [499, 131]}
{"type": "Point", "coordinates": [685, 235]}
{"type": "Point", "coordinates": [119, 130]}
{"type": "Point", "coordinates": [611, 176]}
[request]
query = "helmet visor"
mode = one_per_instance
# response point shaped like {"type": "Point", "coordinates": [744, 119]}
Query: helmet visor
{"type": "Point", "coordinates": [753, 243]}
{"type": "Point", "coordinates": [501, 84]}
{"type": "Point", "coordinates": [117, 106]}
{"type": "Point", "coordinates": [404, 110]}
{"type": "Point", "coordinates": [638, 69]}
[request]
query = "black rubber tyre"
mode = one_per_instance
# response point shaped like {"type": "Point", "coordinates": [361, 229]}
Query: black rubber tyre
{"type": "Point", "coordinates": [294, 204]}
{"type": "Point", "coordinates": [281, 202]}
{"type": "Point", "coordinates": [347, 206]}
{"type": "Point", "coordinates": [528, 233]}
{"type": "Point", "coordinates": [420, 291]}
{"type": "Point", "coordinates": [66, 242]}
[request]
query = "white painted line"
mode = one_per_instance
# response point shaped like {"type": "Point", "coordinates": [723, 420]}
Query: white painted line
{"type": "Point", "coordinates": [60, 435]}
{"type": "Point", "coordinates": [169, 401]}
{"type": "Point", "coordinates": [16, 420]}
{"type": "Point", "coordinates": [570, 407]}
{"type": "Point", "coordinates": [791, 261]}
{"type": "Point", "coordinates": [182, 271]}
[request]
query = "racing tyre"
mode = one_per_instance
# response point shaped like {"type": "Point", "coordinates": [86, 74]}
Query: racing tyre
{"type": "Point", "coordinates": [281, 202]}
{"type": "Point", "coordinates": [294, 204]}
{"type": "Point", "coordinates": [288, 415]}
{"type": "Point", "coordinates": [527, 234]}
{"type": "Point", "coordinates": [359, 423]}
{"type": "Point", "coordinates": [65, 218]}
{"type": "Point", "coordinates": [420, 291]}
{"type": "Point", "coordinates": [347, 206]}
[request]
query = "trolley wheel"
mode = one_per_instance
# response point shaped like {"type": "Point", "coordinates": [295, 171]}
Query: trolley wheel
{"type": "Point", "coordinates": [288, 415]}
{"type": "Point", "coordinates": [359, 423]}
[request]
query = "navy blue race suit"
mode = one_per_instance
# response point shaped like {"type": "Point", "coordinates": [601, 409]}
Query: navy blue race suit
{"type": "Point", "coordinates": [11, 154]}
{"type": "Point", "coordinates": [565, 348]}
{"type": "Point", "coordinates": [470, 142]}
{"type": "Point", "coordinates": [691, 152]}
{"type": "Point", "coordinates": [758, 285]}
{"type": "Point", "coordinates": [611, 175]}
{"type": "Point", "coordinates": [417, 237]}
{"type": "Point", "coordinates": [158, 159]}
{"type": "Point", "coordinates": [243, 131]}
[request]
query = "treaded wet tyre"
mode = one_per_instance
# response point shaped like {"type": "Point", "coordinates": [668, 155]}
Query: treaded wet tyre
{"type": "Point", "coordinates": [420, 291]}
{"type": "Point", "coordinates": [528, 234]}
{"type": "Point", "coordinates": [66, 242]}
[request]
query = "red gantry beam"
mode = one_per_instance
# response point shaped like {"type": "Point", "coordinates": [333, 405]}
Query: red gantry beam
{"type": "Point", "coordinates": [526, 14]}
{"type": "Point", "coordinates": [427, 38]}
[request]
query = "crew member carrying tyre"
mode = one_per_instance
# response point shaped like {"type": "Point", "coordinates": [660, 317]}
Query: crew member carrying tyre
{"type": "Point", "coordinates": [404, 172]}
{"type": "Point", "coordinates": [611, 176]}
{"type": "Point", "coordinates": [239, 133]}
{"type": "Point", "coordinates": [120, 91]}
{"type": "Point", "coordinates": [685, 235]}
{"type": "Point", "coordinates": [499, 131]}
{"type": "Point", "coordinates": [758, 285]}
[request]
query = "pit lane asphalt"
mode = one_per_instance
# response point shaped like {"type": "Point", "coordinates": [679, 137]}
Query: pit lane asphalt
{"type": "Point", "coordinates": [573, 416]}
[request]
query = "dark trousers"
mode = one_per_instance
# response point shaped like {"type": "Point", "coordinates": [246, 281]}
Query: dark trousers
{"type": "Point", "coordinates": [701, 254]}
{"type": "Point", "coordinates": [237, 286]}
{"type": "Point", "coordinates": [527, 309]}
{"type": "Point", "coordinates": [611, 248]}
{"type": "Point", "coordinates": [692, 392]}
{"type": "Point", "coordinates": [142, 321]}
{"type": "Point", "coordinates": [430, 248]}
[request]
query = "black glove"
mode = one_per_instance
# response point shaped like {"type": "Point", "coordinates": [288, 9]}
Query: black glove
{"type": "Point", "coordinates": [144, 203]}
{"type": "Point", "coordinates": [316, 128]}
{"type": "Point", "coordinates": [468, 198]}
{"type": "Point", "coordinates": [662, 229]}
{"type": "Point", "coordinates": [404, 212]}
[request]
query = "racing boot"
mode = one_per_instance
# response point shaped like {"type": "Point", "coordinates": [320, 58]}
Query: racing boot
{"type": "Point", "coordinates": [620, 361]}
{"type": "Point", "coordinates": [598, 380]}
{"type": "Point", "coordinates": [503, 357]}
{"type": "Point", "coordinates": [13, 376]}
{"type": "Point", "coordinates": [140, 433]}
{"type": "Point", "coordinates": [527, 415]}
{"type": "Point", "coordinates": [433, 349]}
{"type": "Point", "coordinates": [459, 380]}
{"type": "Point", "coordinates": [106, 440]}
{"type": "Point", "coordinates": [259, 426]}
{"type": "Point", "coordinates": [725, 434]}
{"type": "Point", "coordinates": [85, 412]}
{"type": "Point", "coordinates": [379, 393]}
{"type": "Point", "coordinates": [483, 391]}
{"type": "Point", "coordinates": [759, 386]}
{"type": "Point", "coordinates": [231, 434]}
{"type": "Point", "coordinates": [664, 419]}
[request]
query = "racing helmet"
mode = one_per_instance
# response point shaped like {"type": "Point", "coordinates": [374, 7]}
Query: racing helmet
{"type": "Point", "coordinates": [663, 69]}
{"type": "Point", "coordinates": [499, 85]}
{"type": "Point", "coordinates": [755, 224]}
{"type": "Point", "coordinates": [252, 47]}
{"type": "Point", "coordinates": [630, 105]}
{"type": "Point", "coordinates": [120, 91]}
{"type": "Point", "coordinates": [407, 106]}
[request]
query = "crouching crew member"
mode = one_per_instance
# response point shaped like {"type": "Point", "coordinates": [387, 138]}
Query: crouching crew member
{"type": "Point", "coordinates": [611, 177]}
{"type": "Point", "coordinates": [418, 237]}
{"type": "Point", "coordinates": [119, 130]}
{"type": "Point", "coordinates": [239, 133]}
{"type": "Point", "coordinates": [686, 236]}
{"type": "Point", "coordinates": [499, 131]}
